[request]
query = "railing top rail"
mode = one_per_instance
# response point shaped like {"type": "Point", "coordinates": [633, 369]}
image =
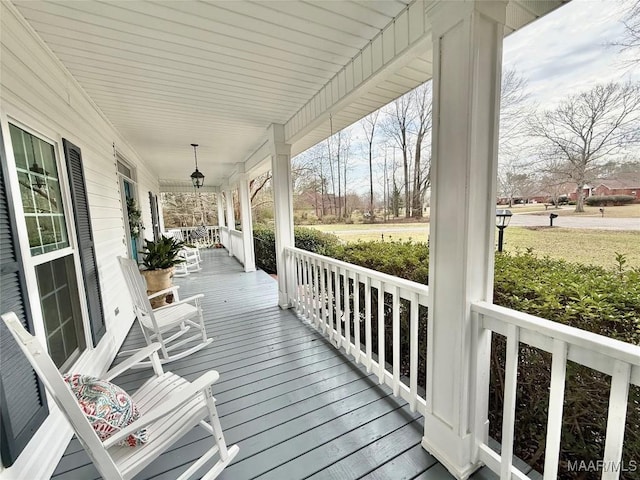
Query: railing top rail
{"type": "Point", "coordinates": [617, 349]}
{"type": "Point", "coordinates": [213, 227]}
{"type": "Point", "coordinates": [235, 233]}
{"type": "Point", "coordinates": [381, 277]}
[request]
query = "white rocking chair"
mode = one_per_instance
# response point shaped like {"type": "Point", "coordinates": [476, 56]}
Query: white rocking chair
{"type": "Point", "coordinates": [166, 324]}
{"type": "Point", "coordinates": [190, 255]}
{"type": "Point", "coordinates": [169, 407]}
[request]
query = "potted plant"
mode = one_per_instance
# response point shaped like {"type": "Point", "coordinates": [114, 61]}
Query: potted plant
{"type": "Point", "coordinates": [160, 259]}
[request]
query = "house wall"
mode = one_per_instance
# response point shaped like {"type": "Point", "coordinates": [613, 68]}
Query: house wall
{"type": "Point", "coordinates": [604, 190]}
{"type": "Point", "coordinates": [39, 93]}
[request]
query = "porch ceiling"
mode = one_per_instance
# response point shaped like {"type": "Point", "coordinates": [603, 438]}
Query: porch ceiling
{"type": "Point", "coordinates": [218, 73]}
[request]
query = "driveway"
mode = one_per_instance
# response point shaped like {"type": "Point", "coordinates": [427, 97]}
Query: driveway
{"type": "Point", "coordinates": [601, 223]}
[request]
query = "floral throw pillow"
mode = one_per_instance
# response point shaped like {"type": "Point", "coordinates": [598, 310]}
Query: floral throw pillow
{"type": "Point", "coordinates": [108, 407]}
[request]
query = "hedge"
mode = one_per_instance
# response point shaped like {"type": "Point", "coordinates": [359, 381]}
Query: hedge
{"type": "Point", "coordinates": [609, 200]}
{"type": "Point", "coordinates": [309, 239]}
{"type": "Point", "coordinates": [602, 301]}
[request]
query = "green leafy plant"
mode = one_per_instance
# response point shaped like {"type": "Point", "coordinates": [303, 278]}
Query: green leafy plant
{"type": "Point", "coordinates": [135, 217]}
{"type": "Point", "coordinates": [305, 238]}
{"type": "Point", "coordinates": [162, 254]}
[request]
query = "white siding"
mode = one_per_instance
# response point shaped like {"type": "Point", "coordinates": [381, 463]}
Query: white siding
{"type": "Point", "coordinates": [38, 92]}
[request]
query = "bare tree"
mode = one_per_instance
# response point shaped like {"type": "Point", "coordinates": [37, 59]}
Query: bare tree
{"type": "Point", "coordinates": [514, 105]}
{"type": "Point", "coordinates": [396, 126]}
{"type": "Point", "coordinates": [631, 39]}
{"type": "Point", "coordinates": [512, 181]}
{"type": "Point", "coordinates": [588, 127]}
{"type": "Point", "coordinates": [421, 172]}
{"type": "Point", "coordinates": [368, 124]}
{"type": "Point", "coordinates": [345, 153]}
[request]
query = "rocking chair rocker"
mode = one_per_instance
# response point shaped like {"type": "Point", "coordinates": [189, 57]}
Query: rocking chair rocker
{"type": "Point", "coordinates": [166, 324]}
{"type": "Point", "coordinates": [169, 407]}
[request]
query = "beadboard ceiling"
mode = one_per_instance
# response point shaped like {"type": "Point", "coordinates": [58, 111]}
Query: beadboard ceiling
{"type": "Point", "coordinates": [218, 73]}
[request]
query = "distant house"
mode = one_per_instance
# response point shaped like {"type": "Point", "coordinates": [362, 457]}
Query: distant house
{"type": "Point", "coordinates": [618, 186]}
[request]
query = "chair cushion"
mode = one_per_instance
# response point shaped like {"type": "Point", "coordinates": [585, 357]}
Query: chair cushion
{"type": "Point", "coordinates": [107, 407]}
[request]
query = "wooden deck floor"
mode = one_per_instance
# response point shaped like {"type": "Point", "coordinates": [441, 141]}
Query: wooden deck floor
{"type": "Point", "coordinates": [296, 406]}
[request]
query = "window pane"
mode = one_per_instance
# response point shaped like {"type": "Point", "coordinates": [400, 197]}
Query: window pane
{"type": "Point", "coordinates": [18, 147]}
{"type": "Point", "coordinates": [47, 156]}
{"type": "Point", "coordinates": [56, 348]}
{"type": "Point", "coordinates": [50, 312]}
{"type": "Point", "coordinates": [55, 196]}
{"type": "Point", "coordinates": [25, 192]}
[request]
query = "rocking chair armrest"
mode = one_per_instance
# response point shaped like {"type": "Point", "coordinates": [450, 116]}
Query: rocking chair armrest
{"type": "Point", "coordinates": [186, 300]}
{"type": "Point", "coordinates": [146, 352]}
{"type": "Point", "coordinates": [172, 402]}
{"type": "Point", "coordinates": [172, 289]}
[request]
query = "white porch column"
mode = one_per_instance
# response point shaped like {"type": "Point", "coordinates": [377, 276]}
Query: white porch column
{"type": "Point", "coordinates": [231, 217]}
{"type": "Point", "coordinates": [467, 41]}
{"type": "Point", "coordinates": [283, 207]}
{"type": "Point", "coordinates": [247, 222]}
{"type": "Point", "coordinates": [220, 206]}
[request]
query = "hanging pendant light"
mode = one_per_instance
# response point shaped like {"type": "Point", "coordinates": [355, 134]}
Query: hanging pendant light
{"type": "Point", "coordinates": [197, 178]}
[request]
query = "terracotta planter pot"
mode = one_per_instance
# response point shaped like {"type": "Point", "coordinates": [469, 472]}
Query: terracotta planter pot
{"type": "Point", "coordinates": [158, 280]}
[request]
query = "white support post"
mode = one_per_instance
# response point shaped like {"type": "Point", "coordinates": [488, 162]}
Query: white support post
{"type": "Point", "coordinates": [220, 209]}
{"type": "Point", "coordinates": [231, 217]}
{"type": "Point", "coordinates": [467, 46]}
{"type": "Point", "coordinates": [283, 208]}
{"type": "Point", "coordinates": [247, 223]}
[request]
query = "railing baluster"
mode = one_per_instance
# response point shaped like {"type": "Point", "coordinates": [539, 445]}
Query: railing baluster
{"type": "Point", "coordinates": [356, 315]}
{"type": "Point", "coordinates": [367, 321]}
{"type": "Point", "coordinates": [347, 314]}
{"type": "Point", "coordinates": [413, 352]}
{"type": "Point", "coordinates": [303, 296]}
{"type": "Point", "coordinates": [330, 302]}
{"type": "Point", "coordinates": [381, 361]}
{"type": "Point", "coordinates": [509, 408]}
{"type": "Point", "coordinates": [316, 291]}
{"type": "Point", "coordinates": [556, 402]}
{"type": "Point", "coordinates": [616, 420]}
{"type": "Point", "coordinates": [323, 297]}
{"type": "Point", "coordinates": [296, 259]}
{"type": "Point", "coordinates": [338, 290]}
{"type": "Point", "coordinates": [307, 288]}
{"type": "Point", "coordinates": [395, 335]}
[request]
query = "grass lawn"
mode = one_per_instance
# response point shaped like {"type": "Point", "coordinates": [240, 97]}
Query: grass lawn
{"type": "Point", "coordinates": [623, 211]}
{"type": "Point", "coordinates": [596, 247]}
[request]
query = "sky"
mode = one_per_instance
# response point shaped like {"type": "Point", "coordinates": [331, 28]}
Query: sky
{"type": "Point", "coordinates": [567, 51]}
{"type": "Point", "coordinates": [570, 50]}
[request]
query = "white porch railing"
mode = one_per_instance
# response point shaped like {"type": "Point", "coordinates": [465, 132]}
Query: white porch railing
{"type": "Point", "coordinates": [224, 236]}
{"type": "Point", "coordinates": [237, 246]}
{"type": "Point", "coordinates": [337, 298]}
{"type": "Point", "coordinates": [619, 359]}
{"type": "Point", "coordinates": [211, 237]}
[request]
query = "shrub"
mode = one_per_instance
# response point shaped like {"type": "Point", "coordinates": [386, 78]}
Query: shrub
{"type": "Point", "coordinates": [330, 219]}
{"type": "Point", "coordinates": [309, 239]}
{"type": "Point", "coordinates": [403, 259]}
{"type": "Point", "coordinates": [609, 200]}
{"type": "Point", "coordinates": [315, 241]}
{"type": "Point", "coordinates": [264, 245]}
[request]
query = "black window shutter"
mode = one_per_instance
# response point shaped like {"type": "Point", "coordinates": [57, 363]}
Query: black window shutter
{"type": "Point", "coordinates": [155, 217]}
{"type": "Point", "coordinates": [23, 405]}
{"type": "Point", "coordinates": [85, 240]}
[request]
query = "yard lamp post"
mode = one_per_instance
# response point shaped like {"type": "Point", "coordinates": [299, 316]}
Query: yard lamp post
{"type": "Point", "coordinates": [502, 221]}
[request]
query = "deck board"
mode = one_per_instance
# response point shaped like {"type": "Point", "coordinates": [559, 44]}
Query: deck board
{"type": "Point", "coordinates": [296, 406]}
